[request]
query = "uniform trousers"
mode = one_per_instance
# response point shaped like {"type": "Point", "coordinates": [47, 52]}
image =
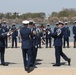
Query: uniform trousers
{"type": "Point", "coordinates": [58, 53]}
{"type": "Point", "coordinates": [2, 52]}
{"type": "Point", "coordinates": [34, 55]}
{"type": "Point", "coordinates": [66, 39]}
{"type": "Point", "coordinates": [27, 57]}
{"type": "Point", "coordinates": [48, 40]}
{"type": "Point", "coordinates": [14, 40]}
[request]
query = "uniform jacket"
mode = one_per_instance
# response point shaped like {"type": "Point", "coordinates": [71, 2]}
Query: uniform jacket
{"type": "Point", "coordinates": [66, 32]}
{"type": "Point", "coordinates": [25, 35]}
{"type": "Point", "coordinates": [57, 38]}
{"type": "Point", "coordinates": [48, 32]}
{"type": "Point", "coordinates": [34, 39]}
{"type": "Point", "coordinates": [74, 30]}
{"type": "Point", "coordinates": [2, 37]}
{"type": "Point", "coordinates": [15, 33]}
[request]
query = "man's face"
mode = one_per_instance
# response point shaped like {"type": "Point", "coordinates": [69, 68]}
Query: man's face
{"type": "Point", "coordinates": [31, 26]}
{"type": "Point", "coordinates": [65, 25]}
{"type": "Point", "coordinates": [60, 26]}
{"type": "Point", "coordinates": [48, 26]}
{"type": "Point", "coordinates": [13, 26]}
{"type": "Point", "coordinates": [4, 24]}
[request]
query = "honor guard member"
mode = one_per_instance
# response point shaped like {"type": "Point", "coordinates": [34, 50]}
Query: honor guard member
{"type": "Point", "coordinates": [48, 37]}
{"type": "Point", "coordinates": [40, 34]}
{"type": "Point", "coordinates": [25, 33]}
{"type": "Point", "coordinates": [2, 45]}
{"type": "Point", "coordinates": [74, 33]}
{"type": "Point", "coordinates": [31, 40]}
{"type": "Point", "coordinates": [34, 45]}
{"type": "Point", "coordinates": [14, 35]}
{"type": "Point", "coordinates": [4, 26]}
{"type": "Point", "coordinates": [58, 44]}
{"type": "Point", "coordinates": [56, 27]}
{"type": "Point", "coordinates": [34, 42]}
{"type": "Point", "coordinates": [66, 35]}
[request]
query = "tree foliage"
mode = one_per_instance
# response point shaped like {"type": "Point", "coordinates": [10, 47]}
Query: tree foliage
{"type": "Point", "coordinates": [22, 16]}
{"type": "Point", "coordinates": [64, 13]}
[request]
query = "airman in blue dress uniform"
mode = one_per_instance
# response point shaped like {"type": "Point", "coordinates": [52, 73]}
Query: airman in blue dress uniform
{"type": "Point", "coordinates": [48, 37]}
{"type": "Point", "coordinates": [25, 33]}
{"type": "Point", "coordinates": [6, 30]}
{"type": "Point", "coordinates": [14, 36]}
{"type": "Point", "coordinates": [66, 34]}
{"type": "Point", "coordinates": [34, 44]}
{"type": "Point", "coordinates": [40, 34]}
{"type": "Point", "coordinates": [74, 34]}
{"type": "Point", "coordinates": [2, 45]}
{"type": "Point", "coordinates": [58, 44]}
{"type": "Point", "coordinates": [56, 27]}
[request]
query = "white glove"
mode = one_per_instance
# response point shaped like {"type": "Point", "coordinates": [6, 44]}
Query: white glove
{"type": "Point", "coordinates": [73, 35]}
{"type": "Point", "coordinates": [58, 32]}
{"type": "Point", "coordinates": [48, 32]}
{"type": "Point", "coordinates": [35, 46]}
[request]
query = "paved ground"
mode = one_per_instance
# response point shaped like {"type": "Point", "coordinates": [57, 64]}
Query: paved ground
{"type": "Point", "coordinates": [45, 60]}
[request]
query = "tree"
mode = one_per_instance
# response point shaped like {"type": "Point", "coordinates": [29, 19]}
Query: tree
{"type": "Point", "coordinates": [63, 13]}
{"type": "Point", "coordinates": [1, 15]}
{"type": "Point", "coordinates": [54, 14]}
{"type": "Point", "coordinates": [8, 15]}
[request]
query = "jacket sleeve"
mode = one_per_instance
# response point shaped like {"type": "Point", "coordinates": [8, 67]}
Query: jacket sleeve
{"type": "Point", "coordinates": [73, 30]}
{"type": "Point", "coordinates": [54, 34]}
{"type": "Point", "coordinates": [69, 32]}
{"type": "Point", "coordinates": [36, 41]}
{"type": "Point", "coordinates": [2, 36]}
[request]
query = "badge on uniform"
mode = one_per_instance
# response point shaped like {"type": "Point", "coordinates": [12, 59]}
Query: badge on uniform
{"type": "Point", "coordinates": [58, 32]}
{"type": "Point", "coordinates": [3, 30]}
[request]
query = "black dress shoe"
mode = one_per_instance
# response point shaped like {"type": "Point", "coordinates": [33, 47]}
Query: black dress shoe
{"type": "Point", "coordinates": [69, 61]}
{"type": "Point", "coordinates": [27, 69]}
{"type": "Point", "coordinates": [68, 47]}
{"type": "Point", "coordinates": [50, 47]}
{"type": "Point", "coordinates": [46, 46]}
{"type": "Point", "coordinates": [63, 47]}
{"type": "Point", "coordinates": [74, 47]}
{"type": "Point", "coordinates": [32, 65]}
{"type": "Point", "coordinates": [4, 64]}
{"type": "Point", "coordinates": [15, 47]}
{"type": "Point", "coordinates": [56, 65]}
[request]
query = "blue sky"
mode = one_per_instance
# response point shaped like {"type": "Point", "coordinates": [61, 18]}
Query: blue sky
{"type": "Point", "coordinates": [24, 6]}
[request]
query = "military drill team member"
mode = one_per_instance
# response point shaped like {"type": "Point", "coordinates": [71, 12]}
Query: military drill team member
{"type": "Point", "coordinates": [2, 45]}
{"type": "Point", "coordinates": [4, 26]}
{"type": "Point", "coordinates": [25, 33]}
{"type": "Point", "coordinates": [57, 35]}
{"type": "Point", "coordinates": [40, 34]}
{"type": "Point", "coordinates": [66, 34]}
{"type": "Point", "coordinates": [14, 36]}
{"type": "Point", "coordinates": [34, 41]}
{"type": "Point", "coordinates": [48, 37]}
{"type": "Point", "coordinates": [31, 41]}
{"type": "Point", "coordinates": [74, 33]}
{"type": "Point", "coordinates": [56, 27]}
{"type": "Point", "coordinates": [34, 45]}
